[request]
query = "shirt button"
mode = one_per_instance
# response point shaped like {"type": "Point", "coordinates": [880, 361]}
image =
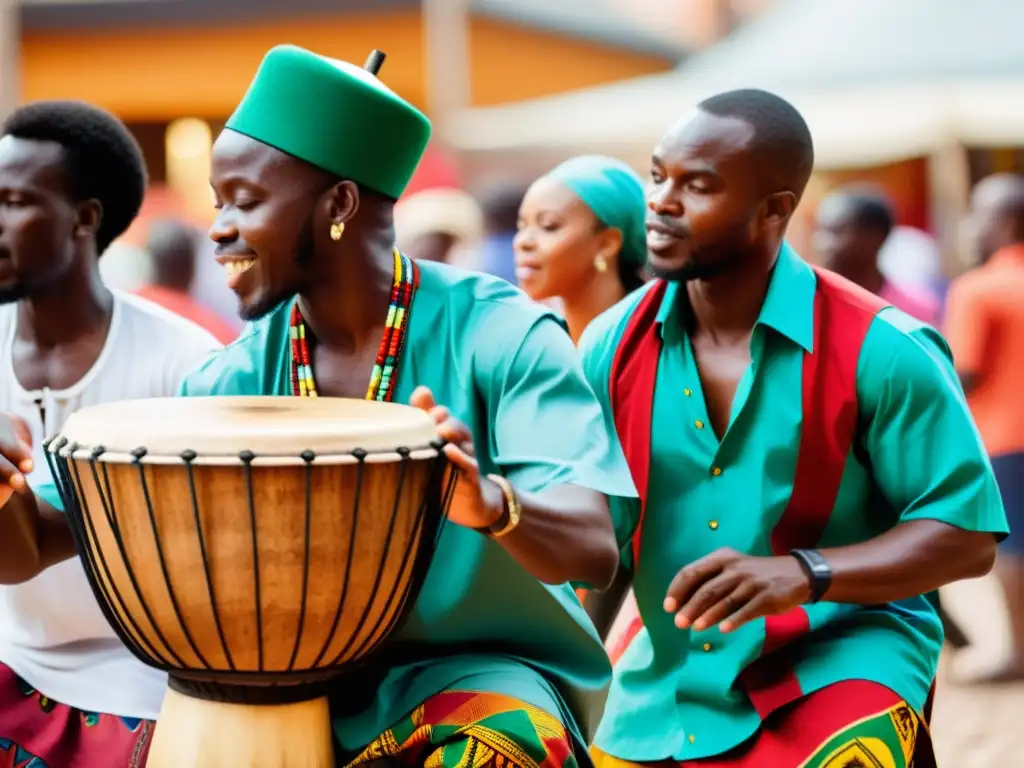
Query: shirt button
{"type": "Point", "coordinates": [692, 738]}
{"type": "Point", "coordinates": [716, 471]}
{"type": "Point", "coordinates": [707, 646]}
{"type": "Point", "coordinates": [713, 525]}
{"type": "Point", "coordinates": [698, 424]}
{"type": "Point", "coordinates": [687, 392]}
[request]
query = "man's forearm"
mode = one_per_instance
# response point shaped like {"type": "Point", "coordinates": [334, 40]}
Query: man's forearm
{"type": "Point", "coordinates": [603, 606]}
{"type": "Point", "coordinates": [913, 558]}
{"type": "Point", "coordinates": [19, 539]}
{"type": "Point", "coordinates": [33, 536]}
{"type": "Point", "coordinates": [564, 534]}
{"type": "Point", "coordinates": [56, 542]}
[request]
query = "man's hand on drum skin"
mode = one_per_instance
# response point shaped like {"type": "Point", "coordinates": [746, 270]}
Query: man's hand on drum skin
{"type": "Point", "coordinates": [478, 502]}
{"type": "Point", "coordinates": [15, 456]}
{"type": "Point", "coordinates": [729, 589]}
{"type": "Point", "coordinates": [564, 533]}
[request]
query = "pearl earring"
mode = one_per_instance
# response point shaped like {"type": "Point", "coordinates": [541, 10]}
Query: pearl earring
{"type": "Point", "coordinates": [601, 264]}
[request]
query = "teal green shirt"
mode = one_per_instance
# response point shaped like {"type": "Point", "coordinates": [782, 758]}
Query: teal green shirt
{"type": "Point", "coordinates": [509, 370]}
{"type": "Point", "coordinates": [917, 455]}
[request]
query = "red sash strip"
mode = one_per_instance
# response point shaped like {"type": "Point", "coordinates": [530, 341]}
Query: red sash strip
{"type": "Point", "coordinates": [843, 313]}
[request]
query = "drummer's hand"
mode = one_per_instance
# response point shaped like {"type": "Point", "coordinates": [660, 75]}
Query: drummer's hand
{"type": "Point", "coordinates": [15, 455]}
{"type": "Point", "coordinates": [478, 502]}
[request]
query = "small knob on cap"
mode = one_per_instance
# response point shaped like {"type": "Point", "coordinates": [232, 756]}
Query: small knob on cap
{"type": "Point", "coordinates": [375, 62]}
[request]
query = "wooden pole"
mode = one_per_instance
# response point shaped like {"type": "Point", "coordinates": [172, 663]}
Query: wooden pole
{"type": "Point", "coordinates": [446, 39]}
{"type": "Point", "coordinates": [10, 52]}
{"type": "Point", "coordinates": [949, 181]}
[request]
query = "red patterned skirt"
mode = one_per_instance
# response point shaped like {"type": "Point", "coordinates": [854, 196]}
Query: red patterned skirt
{"type": "Point", "coordinates": [37, 732]}
{"type": "Point", "coordinates": [471, 729]}
{"type": "Point", "coordinates": [850, 724]}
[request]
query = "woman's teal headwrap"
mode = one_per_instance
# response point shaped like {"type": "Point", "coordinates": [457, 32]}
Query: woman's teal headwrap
{"type": "Point", "coordinates": [615, 194]}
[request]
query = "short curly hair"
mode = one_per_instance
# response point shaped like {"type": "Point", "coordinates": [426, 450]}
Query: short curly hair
{"type": "Point", "coordinates": [103, 161]}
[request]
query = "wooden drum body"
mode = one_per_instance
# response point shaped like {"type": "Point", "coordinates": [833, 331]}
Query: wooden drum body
{"type": "Point", "coordinates": [252, 547]}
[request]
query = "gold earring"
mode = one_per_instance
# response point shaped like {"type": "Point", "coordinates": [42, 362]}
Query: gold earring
{"type": "Point", "coordinates": [600, 264]}
{"type": "Point", "coordinates": [337, 230]}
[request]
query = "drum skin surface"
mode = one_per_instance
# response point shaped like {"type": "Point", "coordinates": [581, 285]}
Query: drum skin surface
{"type": "Point", "coordinates": [221, 427]}
{"type": "Point", "coordinates": [243, 543]}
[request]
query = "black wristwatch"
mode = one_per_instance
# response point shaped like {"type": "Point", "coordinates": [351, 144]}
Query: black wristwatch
{"type": "Point", "coordinates": [817, 569]}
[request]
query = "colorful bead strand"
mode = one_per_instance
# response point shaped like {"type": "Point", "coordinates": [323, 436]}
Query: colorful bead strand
{"type": "Point", "coordinates": [385, 370]}
{"type": "Point", "coordinates": [302, 369]}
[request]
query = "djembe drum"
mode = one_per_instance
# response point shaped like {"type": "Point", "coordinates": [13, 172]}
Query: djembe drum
{"type": "Point", "coordinates": [252, 547]}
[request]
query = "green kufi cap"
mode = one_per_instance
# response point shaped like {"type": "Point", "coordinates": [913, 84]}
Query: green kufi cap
{"type": "Point", "coordinates": [336, 116]}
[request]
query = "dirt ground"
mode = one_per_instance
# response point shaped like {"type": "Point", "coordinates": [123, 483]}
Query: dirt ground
{"type": "Point", "coordinates": [975, 727]}
{"type": "Point", "coordinates": [978, 728]}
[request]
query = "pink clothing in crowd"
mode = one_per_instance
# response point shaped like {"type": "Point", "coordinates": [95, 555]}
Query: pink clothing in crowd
{"type": "Point", "coordinates": [914, 303]}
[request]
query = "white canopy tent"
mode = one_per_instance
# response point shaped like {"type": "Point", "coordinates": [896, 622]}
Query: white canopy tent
{"type": "Point", "coordinates": [877, 80]}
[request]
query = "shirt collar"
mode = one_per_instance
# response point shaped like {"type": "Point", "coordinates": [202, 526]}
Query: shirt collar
{"type": "Point", "coordinates": [788, 306]}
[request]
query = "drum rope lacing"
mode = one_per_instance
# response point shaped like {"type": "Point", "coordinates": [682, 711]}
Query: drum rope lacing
{"type": "Point", "coordinates": [366, 634]}
{"type": "Point", "coordinates": [385, 370]}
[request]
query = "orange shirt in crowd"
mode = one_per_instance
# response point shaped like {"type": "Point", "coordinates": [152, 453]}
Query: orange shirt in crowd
{"type": "Point", "coordinates": [985, 329]}
{"type": "Point", "coordinates": [185, 306]}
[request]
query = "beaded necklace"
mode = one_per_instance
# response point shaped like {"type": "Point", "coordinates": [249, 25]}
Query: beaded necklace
{"type": "Point", "coordinates": [385, 369]}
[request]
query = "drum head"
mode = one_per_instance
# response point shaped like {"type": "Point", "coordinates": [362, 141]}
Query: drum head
{"type": "Point", "coordinates": [266, 426]}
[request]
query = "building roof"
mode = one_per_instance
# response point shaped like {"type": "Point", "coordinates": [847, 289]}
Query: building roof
{"type": "Point", "coordinates": [597, 20]}
{"type": "Point", "coordinates": [835, 43]}
{"type": "Point", "coordinates": [877, 80]}
{"type": "Point", "coordinates": [104, 14]}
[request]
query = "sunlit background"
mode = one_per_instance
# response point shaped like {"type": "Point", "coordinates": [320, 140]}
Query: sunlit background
{"type": "Point", "coordinates": [921, 97]}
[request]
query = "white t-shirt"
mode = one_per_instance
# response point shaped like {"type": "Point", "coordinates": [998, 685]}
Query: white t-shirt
{"type": "Point", "coordinates": [52, 632]}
